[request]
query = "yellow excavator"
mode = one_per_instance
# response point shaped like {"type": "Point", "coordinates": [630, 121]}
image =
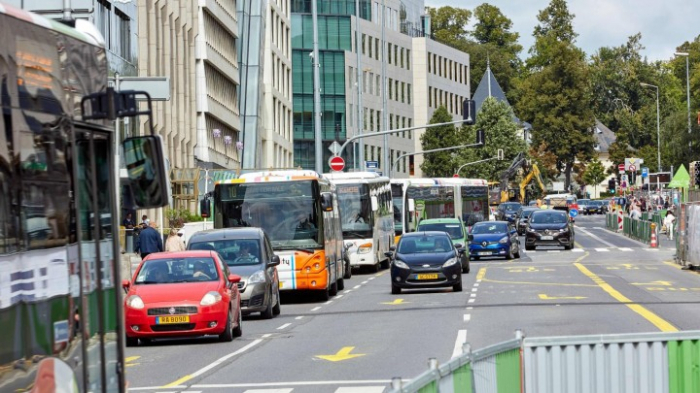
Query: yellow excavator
{"type": "Point", "coordinates": [532, 172]}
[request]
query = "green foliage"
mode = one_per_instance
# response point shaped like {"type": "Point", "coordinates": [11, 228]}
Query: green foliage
{"type": "Point", "coordinates": [594, 173]}
{"type": "Point", "coordinates": [178, 217]}
{"type": "Point", "coordinates": [439, 164]}
{"type": "Point", "coordinates": [449, 23]}
{"type": "Point", "coordinates": [496, 119]}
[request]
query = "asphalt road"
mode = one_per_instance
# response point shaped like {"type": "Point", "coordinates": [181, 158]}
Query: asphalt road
{"type": "Point", "coordinates": [362, 338]}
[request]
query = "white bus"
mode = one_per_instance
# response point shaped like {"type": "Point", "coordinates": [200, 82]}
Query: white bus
{"type": "Point", "coordinates": [364, 200]}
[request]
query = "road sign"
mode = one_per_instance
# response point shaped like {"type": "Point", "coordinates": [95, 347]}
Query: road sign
{"type": "Point", "coordinates": [645, 172]}
{"type": "Point", "coordinates": [334, 147]}
{"type": "Point", "coordinates": [372, 164]}
{"type": "Point", "coordinates": [573, 213]}
{"type": "Point", "coordinates": [633, 161]}
{"type": "Point", "coordinates": [337, 163]}
{"type": "Point", "coordinates": [455, 175]}
{"type": "Point", "coordinates": [633, 168]}
{"type": "Point", "coordinates": [621, 168]}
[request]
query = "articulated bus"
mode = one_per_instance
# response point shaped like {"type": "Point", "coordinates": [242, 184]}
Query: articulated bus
{"type": "Point", "coordinates": [61, 325]}
{"type": "Point", "coordinates": [422, 198]}
{"type": "Point", "coordinates": [365, 205]}
{"type": "Point", "coordinates": [299, 212]}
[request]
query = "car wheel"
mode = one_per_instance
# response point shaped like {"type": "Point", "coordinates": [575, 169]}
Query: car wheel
{"type": "Point", "coordinates": [324, 294]}
{"type": "Point", "coordinates": [277, 309]}
{"type": "Point", "coordinates": [517, 254]}
{"type": "Point", "coordinates": [529, 248]}
{"type": "Point", "coordinates": [385, 264]}
{"type": "Point", "coordinates": [509, 256]}
{"type": "Point", "coordinates": [238, 330]}
{"type": "Point", "coordinates": [341, 284]}
{"type": "Point", "coordinates": [374, 268]}
{"type": "Point", "coordinates": [132, 341]}
{"type": "Point", "coordinates": [395, 290]}
{"type": "Point", "coordinates": [457, 287]}
{"type": "Point", "coordinates": [267, 313]}
{"type": "Point", "coordinates": [227, 334]}
{"type": "Point", "coordinates": [348, 270]}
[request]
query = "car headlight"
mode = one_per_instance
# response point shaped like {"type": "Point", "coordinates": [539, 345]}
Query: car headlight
{"type": "Point", "coordinates": [504, 240]}
{"type": "Point", "coordinates": [564, 230]}
{"type": "Point", "coordinates": [364, 248]}
{"type": "Point", "coordinates": [450, 262]}
{"type": "Point", "coordinates": [400, 264]}
{"type": "Point", "coordinates": [210, 298]}
{"type": "Point", "coordinates": [257, 277]}
{"type": "Point", "coordinates": [135, 302]}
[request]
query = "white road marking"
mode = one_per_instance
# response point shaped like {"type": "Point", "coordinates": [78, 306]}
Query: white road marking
{"type": "Point", "coordinates": [371, 278]}
{"type": "Point", "coordinates": [461, 339]}
{"type": "Point", "coordinates": [475, 289]}
{"type": "Point", "coordinates": [299, 317]}
{"type": "Point", "coordinates": [578, 250]}
{"type": "Point", "coordinates": [364, 282]}
{"type": "Point", "coordinates": [338, 296]}
{"type": "Point", "coordinates": [467, 317]}
{"type": "Point", "coordinates": [470, 308]}
{"type": "Point", "coordinates": [347, 291]}
{"type": "Point", "coordinates": [360, 389]}
{"type": "Point", "coordinates": [356, 286]}
{"type": "Point", "coordinates": [266, 335]}
{"type": "Point", "coordinates": [286, 325]}
{"type": "Point", "coordinates": [315, 308]}
{"type": "Point", "coordinates": [328, 302]}
{"type": "Point", "coordinates": [471, 300]}
{"type": "Point", "coordinates": [283, 390]}
{"type": "Point", "coordinates": [595, 237]}
{"type": "Point", "coordinates": [625, 249]}
{"type": "Point", "coordinates": [224, 358]}
{"type": "Point", "coordinates": [191, 391]}
{"type": "Point", "coordinates": [472, 295]}
{"type": "Point", "coordinates": [602, 250]}
{"type": "Point", "coordinates": [295, 383]}
{"type": "Point", "coordinates": [476, 284]}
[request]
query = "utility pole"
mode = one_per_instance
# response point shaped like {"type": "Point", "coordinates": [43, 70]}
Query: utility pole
{"type": "Point", "coordinates": [360, 110]}
{"type": "Point", "coordinates": [385, 114]}
{"type": "Point", "coordinates": [318, 134]}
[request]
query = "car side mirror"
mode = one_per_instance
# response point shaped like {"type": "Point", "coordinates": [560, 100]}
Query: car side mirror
{"type": "Point", "coordinates": [388, 254]}
{"type": "Point", "coordinates": [145, 167]}
{"type": "Point", "coordinates": [458, 245]}
{"type": "Point", "coordinates": [234, 279]}
{"type": "Point", "coordinates": [274, 261]}
{"type": "Point", "coordinates": [392, 248]}
{"type": "Point", "coordinates": [126, 284]}
{"type": "Point", "coordinates": [461, 251]}
{"type": "Point", "coordinates": [470, 237]}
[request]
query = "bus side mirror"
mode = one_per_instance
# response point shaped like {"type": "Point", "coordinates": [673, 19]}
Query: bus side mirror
{"type": "Point", "coordinates": [204, 208]}
{"type": "Point", "coordinates": [327, 202]}
{"type": "Point", "coordinates": [375, 203]}
{"type": "Point", "coordinates": [145, 166]}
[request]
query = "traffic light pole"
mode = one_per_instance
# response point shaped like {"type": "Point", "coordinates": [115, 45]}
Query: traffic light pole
{"type": "Point", "coordinates": [479, 144]}
{"type": "Point", "coordinates": [475, 162]}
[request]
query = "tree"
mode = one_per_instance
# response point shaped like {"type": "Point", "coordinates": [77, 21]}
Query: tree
{"type": "Point", "coordinates": [449, 24]}
{"type": "Point", "coordinates": [554, 97]}
{"type": "Point", "coordinates": [439, 164]}
{"type": "Point", "coordinates": [496, 119]}
{"type": "Point", "coordinates": [594, 174]}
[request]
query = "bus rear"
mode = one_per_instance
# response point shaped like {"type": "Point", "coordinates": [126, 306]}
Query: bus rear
{"type": "Point", "coordinates": [289, 207]}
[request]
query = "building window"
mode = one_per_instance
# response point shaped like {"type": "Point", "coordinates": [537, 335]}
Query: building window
{"type": "Point", "coordinates": [408, 59]}
{"type": "Point", "coordinates": [390, 90]}
{"type": "Point", "coordinates": [430, 97]}
{"type": "Point", "coordinates": [408, 93]}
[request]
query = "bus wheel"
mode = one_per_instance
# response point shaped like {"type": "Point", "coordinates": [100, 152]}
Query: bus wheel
{"type": "Point", "coordinates": [348, 270]}
{"type": "Point", "coordinates": [324, 294]}
{"type": "Point", "coordinates": [334, 289]}
{"type": "Point", "coordinates": [341, 284]}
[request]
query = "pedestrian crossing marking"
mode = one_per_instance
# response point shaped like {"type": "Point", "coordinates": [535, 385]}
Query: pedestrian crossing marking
{"type": "Point", "coordinates": [625, 249]}
{"type": "Point", "coordinates": [577, 250]}
{"type": "Point", "coordinates": [283, 390]}
{"type": "Point", "coordinates": [361, 389]}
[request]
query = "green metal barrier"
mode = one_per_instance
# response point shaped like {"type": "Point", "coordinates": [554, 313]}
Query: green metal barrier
{"type": "Point", "coordinates": [611, 221]}
{"type": "Point", "coordinates": [637, 229]}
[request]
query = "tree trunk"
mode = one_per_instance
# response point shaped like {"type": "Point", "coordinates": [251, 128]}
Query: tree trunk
{"type": "Point", "coordinates": [567, 176]}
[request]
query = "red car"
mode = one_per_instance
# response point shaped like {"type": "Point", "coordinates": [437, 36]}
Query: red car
{"type": "Point", "coordinates": [187, 293]}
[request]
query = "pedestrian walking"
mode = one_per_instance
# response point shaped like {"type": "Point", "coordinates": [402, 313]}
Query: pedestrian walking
{"type": "Point", "coordinates": [174, 242]}
{"type": "Point", "coordinates": [669, 220]}
{"type": "Point", "coordinates": [149, 241]}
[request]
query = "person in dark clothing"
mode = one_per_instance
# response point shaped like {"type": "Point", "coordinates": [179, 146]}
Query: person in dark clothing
{"type": "Point", "coordinates": [149, 241]}
{"type": "Point", "coordinates": [128, 222]}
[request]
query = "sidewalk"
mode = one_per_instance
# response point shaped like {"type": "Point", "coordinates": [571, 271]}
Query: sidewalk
{"type": "Point", "coordinates": [128, 262]}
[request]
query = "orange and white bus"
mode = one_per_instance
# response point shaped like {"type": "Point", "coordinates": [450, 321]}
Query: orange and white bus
{"type": "Point", "coordinates": [299, 212]}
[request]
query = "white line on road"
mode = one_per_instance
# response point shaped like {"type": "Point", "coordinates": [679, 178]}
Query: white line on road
{"type": "Point", "coordinates": [266, 335]}
{"type": "Point", "coordinates": [371, 278]}
{"type": "Point", "coordinates": [356, 286]}
{"type": "Point", "coordinates": [472, 295]}
{"type": "Point", "coordinates": [467, 317]}
{"type": "Point", "coordinates": [224, 358]}
{"type": "Point", "coordinates": [461, 339]}
{"type": "Point", "coordinates": [315, 308]}
{"type": "Point", "coordinates": [470, 308]}
{"type": "Point", "coordinates": [280, 390]}
{"type": "Point", "coordinates": [476, 284]}
{"type": "Point", "coordinates": [328, 302]}
{"type": "Point", "coordinates": [347, 291]}
{"type": "Point", "coordinates": [475, 289]}
{"type": "Point", "coordinates": [625, 249]}
{"type": "Point", "coordinates": [299, 317]}
{"type": "Point", "coordinates": [578, 250]}
{"type": "Point", "coordinates": [595, 237]}
{"type": "Point", "coordinates": [286, 325]}
{"type": "Point", "coordinates": [602, 250]}
{"type": "Point", "coordinates": [364, 282]}
{"type": "Point", "coordinates": [471, 300]}
{"type": "Point", "coordinates": [295, 383]}
{"type": "Point", "coordinates": [360, 389]}
{"type": "Point", "coordinates": [338, 296]}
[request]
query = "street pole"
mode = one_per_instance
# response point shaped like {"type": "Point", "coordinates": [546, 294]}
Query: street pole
{"type": "Point", "coordinates": [435, 151]}
{"type": "Point", "coordinates": [360, 126]}
{"type": "Point", "coordinates": [475, 162]}
{"type": "Point", "coordinates": [687, 88]}
{"type": "Point", "coordinates": [318, 135]}
{"type": "Point", "coordinates": [658, 124]}
{"type": "Point", "coordinates": [385, 114]}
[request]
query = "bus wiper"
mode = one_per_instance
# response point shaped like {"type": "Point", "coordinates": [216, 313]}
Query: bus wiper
{"type": "Point", "coordinates": [354, 234]}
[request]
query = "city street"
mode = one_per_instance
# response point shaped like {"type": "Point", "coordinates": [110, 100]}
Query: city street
{"type": "Point", "coordinates": [360, 339]}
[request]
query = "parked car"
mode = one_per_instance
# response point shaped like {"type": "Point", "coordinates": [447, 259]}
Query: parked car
{"type": "Point", "coordinates": [549, 228]}
{"type": "Point", "coordinates": [425, 260]}
{"type": "Point", "coordinates": [185, 293]}
{"type": "Point", "coordinates": [507, 211]}
{"type": "Point", "coordinates": [454, 228]}
{"type": "Point", "coordinates": [247, 252]}
{"type": "Point", "coordinates": [523, 217]}
{"type": "Point", "coordinates": [494, 238]}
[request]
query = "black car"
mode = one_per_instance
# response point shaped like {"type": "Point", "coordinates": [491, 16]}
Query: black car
{"type": "Point", "coordinates": [426, 260]}
{"type": "Point", "coordinates": [549, 228]}
{"type": "Point", "coordinates": [523, 217]}
{"type": "Point", "coordinates": [507, 211]}
{"type": "Point", "coordinates": [247, 253]}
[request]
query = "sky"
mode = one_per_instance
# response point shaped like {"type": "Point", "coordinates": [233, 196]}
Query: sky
{"type": "Point", "coordinates": [664, 24]}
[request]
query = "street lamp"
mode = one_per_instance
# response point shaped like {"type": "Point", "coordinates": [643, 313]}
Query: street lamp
{"type": "Point", "coordinates": [658, 124]}
{"type": "Point", "coordinates": [687, 85]}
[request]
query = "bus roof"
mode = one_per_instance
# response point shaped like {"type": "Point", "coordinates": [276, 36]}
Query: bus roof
{"type": "Point", "coordinates": [83, 31]}
{"type": "Point", "coordinates": [282, 175]}
{"type": "Point", "coordinates": [461, 181]}
{"type": "Point", "coordinates": [356, 177]}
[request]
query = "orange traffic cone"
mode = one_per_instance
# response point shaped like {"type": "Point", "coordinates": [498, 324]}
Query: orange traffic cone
{"type": "Point", "coordinates": [654, 243]}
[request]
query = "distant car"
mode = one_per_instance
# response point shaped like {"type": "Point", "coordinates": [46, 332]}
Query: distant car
{"type": "Point", "coordinates": [425, 260]}
{"type": "Point", "coordinates": [507, 211]}
{"type": "Point", "coordinates": [454, 228]}
{"type": "Point", "coordinates": [582, 205]}
{"type": "Point", "coordinates": [590, 207]}
{"type": "Point", "coordinates": [185, 293]}
{"type": "Point", "coordinates": [549, 228]}
{"type": "Point", "coordinates": [523, 217]}
{"type": "Point", "coordinates": [601, 207]}
{"type": "Point", "coordinates": [494, 239]}
{"type": "Point", "coordinates": [472, 218]}
{"type": "Point", "coordinates": [247, 252]}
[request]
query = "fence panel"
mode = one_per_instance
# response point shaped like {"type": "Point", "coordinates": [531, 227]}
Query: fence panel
{"type": "Point", "coordinates": [692, 234]}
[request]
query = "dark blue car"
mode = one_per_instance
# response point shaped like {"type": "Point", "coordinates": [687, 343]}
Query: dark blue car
{"type": "Point", "coordinates": [426, 260]}
{"type": "Point", "coordinates": [494, 239]}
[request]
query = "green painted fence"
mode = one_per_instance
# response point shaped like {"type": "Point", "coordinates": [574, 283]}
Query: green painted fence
{"type": "Point", "coordinates": [638, 229]}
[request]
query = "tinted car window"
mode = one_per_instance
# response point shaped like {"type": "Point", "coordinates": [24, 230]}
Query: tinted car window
{"type": "Point", "coordinates": [527, 213]}
{"type": "Point", "coordinates": [547, 217]}
{"type": "Point", "coordinates": [480, 229]}
{"type": "Point", "coordinates": [235, 252]}
{"type": "Point", "coordinates": [454, 230]}
{"type": "Point", "coordinates": [164, 271]}
{"type": "Point", "coordinates": [424, 244]}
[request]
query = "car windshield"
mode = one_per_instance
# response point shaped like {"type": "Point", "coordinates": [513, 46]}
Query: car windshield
{"type": "Point", "coordinates": [526, 213]}
{"type": "Point", "coordinates": [511, 207]}
{"type": "Point", "coordinates": [548, 218]}
{"type": "Point", "coordinates": [177, 270]}
{"type": "Point", "coordinates": [472, 218]}
{"type": "Point", "coordinates": [452, 229]}
{"type": "Point", "coordinates": [424, 244]}
{"type": "Point", "coordinates": [480, 229]}
{"type": "Point", "coordinates": [234, 252]}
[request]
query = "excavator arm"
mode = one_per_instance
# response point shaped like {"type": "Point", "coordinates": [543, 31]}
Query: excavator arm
{"type": "Point", "coordinates": [518, 162]}
{"type": "Point", "coordinates": [534, 173]}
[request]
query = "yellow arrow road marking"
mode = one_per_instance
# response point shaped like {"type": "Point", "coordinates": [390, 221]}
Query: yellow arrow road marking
{"type": "Point", "coordinates": [546, 297]}
{"type": "Point", "coordinates": [128, 360]}
{"type": "Point", "coordinates": [343, 354]}
{"type": "Point", "coordinates": [654, 283]}
{"type": "Point", "coordinates": [396, 301]}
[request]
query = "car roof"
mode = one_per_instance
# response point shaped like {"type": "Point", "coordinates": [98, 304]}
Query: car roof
{"type": "Point", "coordinates": [246, 233]}
{"type": "Point", "coordinates": [424, 233]}
{"type": "Point", "coordinates": [439, 221]}
{"type": "Point", "coordinates": [490, 222]}
{"type": "Point", "coordinates": [552, 211]}
{"type": "Point", "coordinates": [181, 254]}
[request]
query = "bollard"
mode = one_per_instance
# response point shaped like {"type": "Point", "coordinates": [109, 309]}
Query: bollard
{"type": "Point", "coordinates": [620, 219]}
{"type": "Point", "coordinates": [654, 242]}
{"type": "Point", "coordinates": [396, 383]}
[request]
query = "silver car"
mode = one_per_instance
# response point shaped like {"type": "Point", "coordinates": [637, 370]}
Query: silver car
{"type": "Point", "coordinates": [248, 253]}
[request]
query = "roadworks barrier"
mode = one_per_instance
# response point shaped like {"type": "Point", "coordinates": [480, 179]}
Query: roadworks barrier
{"type": "Point", "coordinates": [639, 362]}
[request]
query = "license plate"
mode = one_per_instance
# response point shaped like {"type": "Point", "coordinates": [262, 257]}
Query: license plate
{"type": "Point", "coordinates": [547, 237]}
{"type": "Point", "coordinates": [485, 253]}
{"type": "Point", "coordinates": [173, 319]}
{"type": "Point", "coordinates": [432, 276]}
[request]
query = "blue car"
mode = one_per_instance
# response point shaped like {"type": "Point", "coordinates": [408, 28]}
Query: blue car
{"type": "Point", "coordinates": [494, 239]}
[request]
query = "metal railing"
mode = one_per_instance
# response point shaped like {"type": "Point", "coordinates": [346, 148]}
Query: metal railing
{"type": "Point", "coordinates": [638, 229]}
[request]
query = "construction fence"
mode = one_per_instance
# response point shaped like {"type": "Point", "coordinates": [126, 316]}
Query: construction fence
{"type": "Point", "coordinates": [646, 362]}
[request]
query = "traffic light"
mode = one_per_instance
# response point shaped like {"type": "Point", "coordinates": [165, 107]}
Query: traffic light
{"type": "Point", "coordinates": [480, 137]}
{"type": "Point", "coordinates": [469, 112]}
{"type": "Point", "coordinates": [611, 185]}
{"type": "Point", "coordinates": [411, 166]}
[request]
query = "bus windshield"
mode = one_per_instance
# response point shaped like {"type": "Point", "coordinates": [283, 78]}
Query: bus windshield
{"type": "Point", "coordinates": [286, 211]}
{"type": "Point", "coordinates": [437, 201]}
{"type": "Point", "coordinates": [355, 210]}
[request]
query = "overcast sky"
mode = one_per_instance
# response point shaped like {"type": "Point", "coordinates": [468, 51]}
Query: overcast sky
{"type": "Point", "coordinates": [664, 24]}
